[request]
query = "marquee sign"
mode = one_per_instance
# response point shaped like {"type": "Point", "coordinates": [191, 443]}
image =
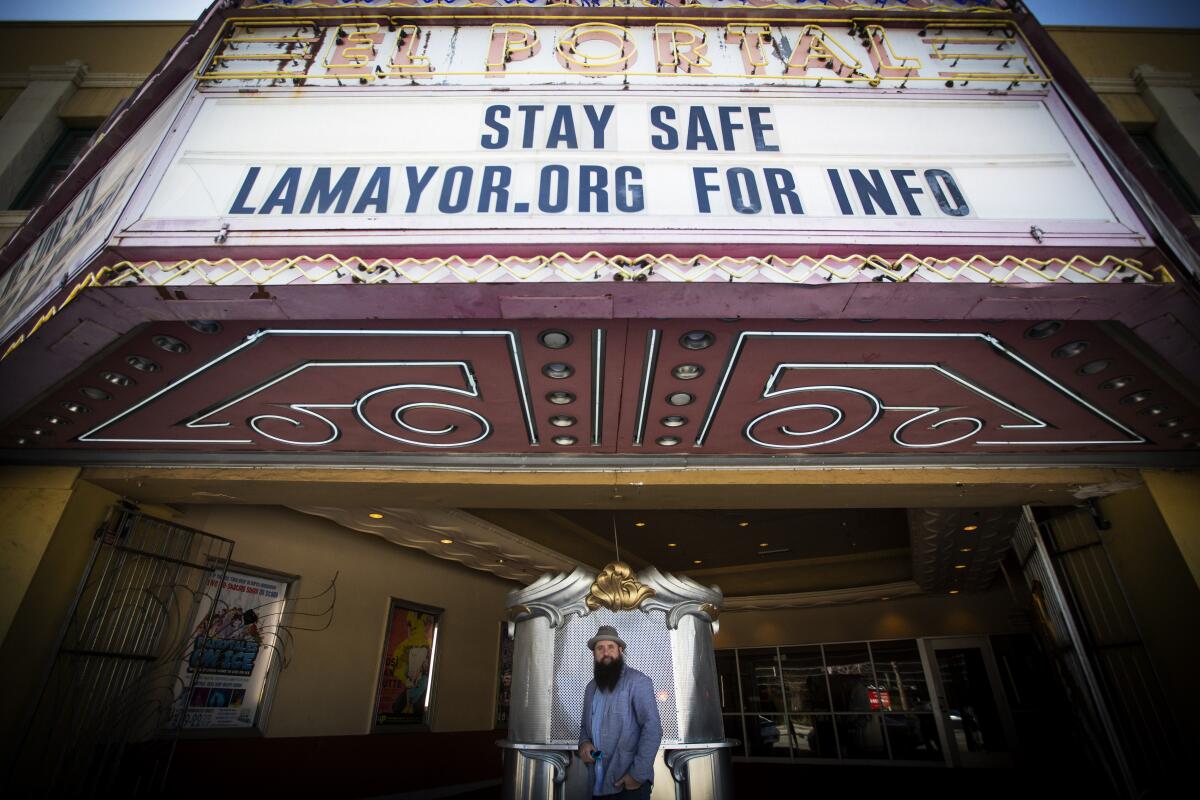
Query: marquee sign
{"type": "Point", "coordinates": [759, 52]}
{"type": "Point", "coordinates": [719, 165]}
{"type": "Point", "coordinates": [959, 6]}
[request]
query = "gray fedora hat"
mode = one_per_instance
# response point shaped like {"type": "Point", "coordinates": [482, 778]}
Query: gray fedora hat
{"type": "Point", "coordinates": [606, 633]}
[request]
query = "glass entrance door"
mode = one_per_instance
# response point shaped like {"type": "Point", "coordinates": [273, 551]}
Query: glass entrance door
{"type": "Point", "coordinates": [972, 714]}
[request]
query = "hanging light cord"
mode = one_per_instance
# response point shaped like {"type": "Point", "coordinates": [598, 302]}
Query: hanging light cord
{"type": "Point", "coordinates": [616, 542]}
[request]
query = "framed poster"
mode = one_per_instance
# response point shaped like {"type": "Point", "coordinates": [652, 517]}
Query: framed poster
{"type": "Point", "coordinates": [403, 696]}
{"type": "Point", "coordinates": [504, 686]}
{"type": "Point", "coordinates": [231, 661]}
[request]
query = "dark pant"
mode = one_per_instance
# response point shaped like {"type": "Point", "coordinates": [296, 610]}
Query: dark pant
{"type": "Point", "coordinates": [640, 793]}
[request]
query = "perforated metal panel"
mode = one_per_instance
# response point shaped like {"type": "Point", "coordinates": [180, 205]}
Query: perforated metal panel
{"type": "Point", "coordinates": [648, 648]}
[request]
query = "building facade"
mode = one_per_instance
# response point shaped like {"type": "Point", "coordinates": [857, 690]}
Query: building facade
{"type": "Point", "coordinates": [354, 317]}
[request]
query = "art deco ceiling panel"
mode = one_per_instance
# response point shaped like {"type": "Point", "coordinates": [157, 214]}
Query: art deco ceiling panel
{"type": "Point", "coordinates": [702, 387]}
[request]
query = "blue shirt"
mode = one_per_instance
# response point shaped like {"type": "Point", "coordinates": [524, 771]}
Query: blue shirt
{"type": "Point", "coordinates": [599, 702]}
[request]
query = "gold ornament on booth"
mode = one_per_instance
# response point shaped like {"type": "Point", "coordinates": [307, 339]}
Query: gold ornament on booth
{"type": "Point", "coordinates": [617, 589]}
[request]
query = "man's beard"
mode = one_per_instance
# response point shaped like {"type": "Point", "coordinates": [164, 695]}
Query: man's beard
{"type": "Point", "coordinates": [608, 674]}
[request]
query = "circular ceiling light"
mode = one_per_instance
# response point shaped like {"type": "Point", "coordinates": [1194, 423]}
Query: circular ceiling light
{"type": "Point", "coordinates": [1070, 349]}
{"type": "Point", "coordinates": [674, 421]}
{"type": "Point", "coordinates": [562, 421]}
{"type": "Point", "coordinates": [687, 372]}
{"type": "Point", "coordinates": [375, 515]}
{"type": "Point", "coordinates": [142, 363]}
{"type": "Point", "coordinates": [697, 340]}
{"type": "Point", "coordinates": [1117, 383]}
{"type": "Point", "coordinates": [170, 344]}
{"type": "Point", "coordinates": [560, 398]}
{"type": "Point", "coordinates": [204, 325]}
{"type": "Point", "coordinates": [565, 440]}
{"type": "Point", "coordinates": [1043, 330]}
{"type": "Point", "coordinates": [117, 379]}
{"type": "Point", "coordinates": [558, 370]}
{"type": "Point", "coordinates": [554, 339]}
{"type": "Point", "coordinates": [1093, 367]}
{"type": "Point", "coordinates": [96, 394]}
{"type": "Point", "coordinates": [1155, 411]}
{"type": "Point", "coordinates": [75, 408]}
{"type": "Point", "coordinates": [668, 441]}
{"type": "Point", "coordinates": [680, 398]}
{"type": "Point", "coordinates": [1137, 397]}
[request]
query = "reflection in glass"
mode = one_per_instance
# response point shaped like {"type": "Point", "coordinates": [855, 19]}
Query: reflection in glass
{"type": "Point", "coordinates": [766, 736]}
{"type": "Point", "coordinates": [727, 681]}
{"type": "Point", "coordinates": [913, 737]}
{"type": "Point", "coordinates": [861, 736]}
{"type": "Point", "coordinates": [804, 679]}
{"type": "Point", "coordinates": [900, 676]}
{"type": "Point", "coordinates": [733, 730]}
{"type": "Point", "coordinates": [761, 687]}
{"type": "Point", "coordinates": [970, 707]}
{"type": "Point", "coordinates": [811, 736]}
{"type": "Point", "coordinates": [851, 679]}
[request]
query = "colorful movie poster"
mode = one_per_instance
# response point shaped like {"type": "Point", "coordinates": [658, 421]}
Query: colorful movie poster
{"type": "Point", "coordinates": [230, 656]}
{"type": "Point", "coordinates": [408, 653]}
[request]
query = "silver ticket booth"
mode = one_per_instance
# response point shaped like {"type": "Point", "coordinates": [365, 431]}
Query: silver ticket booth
{"type": "Point", "coordinates": [667, 623]}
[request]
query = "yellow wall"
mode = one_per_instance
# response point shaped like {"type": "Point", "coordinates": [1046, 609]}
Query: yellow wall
{"type": "Point", "coordinates": [1162, 592]}
{"type": "Point", "coordinates": [28, 650]}
{"type": "Point", "coordinates": [906, 617]}
{"type": "Point", "coordinates": [329, 687]}
{"type": "Point", "coordinates": [129, 47]}
{"type": "Point", "coordinates": [31, 502]}
{"type": "Point", "coordinates": [1177, 497]}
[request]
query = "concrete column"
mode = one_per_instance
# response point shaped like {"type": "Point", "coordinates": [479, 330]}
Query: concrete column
{"type": "Point", "coordinates": [32, 500]}
{"type": "Point", "coordinates": [1177, 495]}
{"type": "Point", "coordinates": [1172, 98]}
{"type": "Point", "coordinates": [32, 126]}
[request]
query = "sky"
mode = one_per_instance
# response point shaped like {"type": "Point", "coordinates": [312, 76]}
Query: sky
{"type": "Point", "coordinates": [1146, 13]}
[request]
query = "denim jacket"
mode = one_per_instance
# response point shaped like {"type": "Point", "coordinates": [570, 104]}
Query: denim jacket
{"type": "Point", "coordinates": [630, 731]}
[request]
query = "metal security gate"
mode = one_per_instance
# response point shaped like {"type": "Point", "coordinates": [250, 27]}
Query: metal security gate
{"type": "Point", "coordinates": [116, 677]}
{"type": "Point", "coordinates": [1086, 622]}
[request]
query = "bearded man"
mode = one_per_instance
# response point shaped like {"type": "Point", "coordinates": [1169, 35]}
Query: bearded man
{"type": "Point", "coordinates": [621, 731]}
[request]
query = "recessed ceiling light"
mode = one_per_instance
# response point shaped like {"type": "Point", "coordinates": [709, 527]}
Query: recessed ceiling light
{"type": "Point", "coordinates": [697, 340]}
{"type": "Point", "coordinates": [674, 421]}
{"type": "Point", "coordinates": [562, 421]}
{"type": "Point", "coordinates": [75, 408]}
{"type": "Point", "coordinates": [679, 398]}
{"type": "Point", "coordinates": [96, 394]}
{"type": "Point", "coordinates": [565, 440]}
{"type": "Point", "coordinates": [639, 524]}
{"type": "Point", "coordinates": [969, 528]}
{"type": "Point", "coordinates": [667, 441]}
{"type": "Point", "coordinates": [960, 566]}
{"type": "Point", "coordinates": [558, 370]}
{"type": "Point", "coordinates": [375, 515]}
{"type": "Point", "coordinates": [687, 372]}
{"type": "Point", "coordinates": [555, 340]}
{"type": "Point", "coordinates": [954, 591]}
{"type": "Point", "coordinates": [697, 561]}
{"type": "Point", "coordinates": [1043, 330]}
{"type": "Point", "coordinates": [204, 325]}
{"type": "Point", "coordinates": [446, 541]}
{"type": "Point", "coordinates": [142, 363]}
{"type": "Point", "coordinates": [1070, 349]}
{"type": "Point", "coordinates": [672, 544]}
{"type": "Point", "coordinates": [965, 549]}
{"type": "Point", "coordinates": [117, 379]}
{"type": "Point", "coordinates": [744, 524]}
{"type": "Point", "coordinates": [764, 544]}
{"type": "Point", "coordinates": [54, 419]}
{"type": "Point", "coordinates": [885, 598]}
{"type": "Point", "coordinates": [170, 344]}
{"type": "Point", "coordinates": [1117, 383]}
{"type": "Point", "coordinates": [560, 398]}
